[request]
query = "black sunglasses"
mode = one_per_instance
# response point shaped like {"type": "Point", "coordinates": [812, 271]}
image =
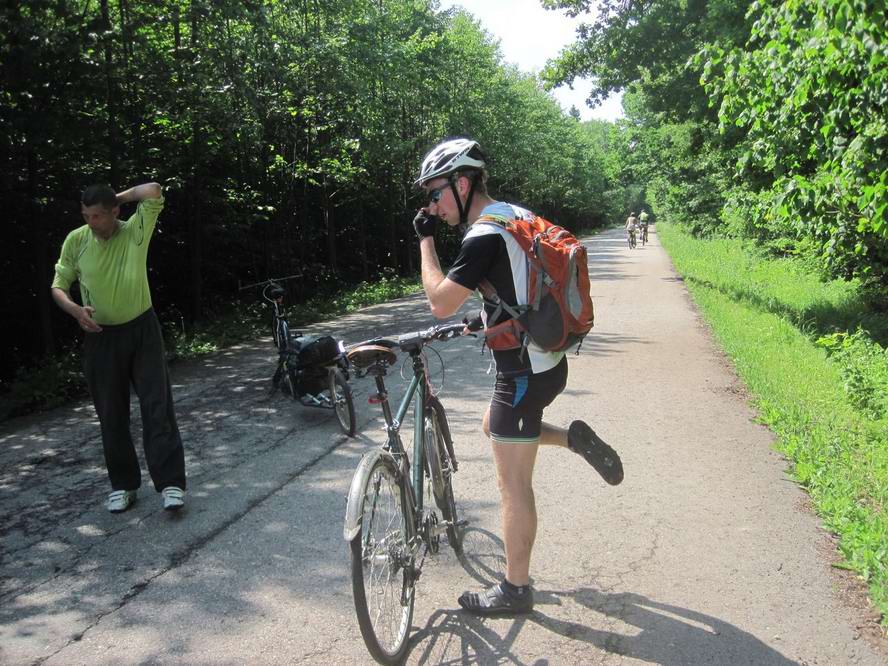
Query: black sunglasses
{"type": "Point", "coordinates": [436, 194]}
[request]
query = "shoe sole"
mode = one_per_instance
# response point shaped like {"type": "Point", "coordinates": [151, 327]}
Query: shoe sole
{"type": "Point", "coordinates": [497, 612]}
{"type": "Point", "coordinates": [173, 507]}
{"type": "Point", "coordinates": [602, 457]}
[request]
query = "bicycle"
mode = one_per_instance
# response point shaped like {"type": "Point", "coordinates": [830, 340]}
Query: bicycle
{"type": "Point", "coordinates": [632, 241]}
{"type": "Point", "coordinates": [313, 370]}
{"type": "Point", "coordinates": [388, 528]}
{"type": "Point", "coordinates": [644, 235]}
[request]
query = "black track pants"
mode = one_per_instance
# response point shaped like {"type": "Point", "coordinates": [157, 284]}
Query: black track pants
{"type": "Point", "coordinates": [119, 356]}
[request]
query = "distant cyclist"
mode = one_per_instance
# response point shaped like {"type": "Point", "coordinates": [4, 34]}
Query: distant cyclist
{"type": "Point", "coordinates": [454, 178]}
{"type": "Point", "coordinates": [643, 222]}
{"type": "Point", "coordinates": [631, 228]}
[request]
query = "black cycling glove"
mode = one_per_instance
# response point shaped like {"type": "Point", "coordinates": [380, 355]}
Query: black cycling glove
{"type": "Point", "coordinates": [424, 223]}
{"type": "Point", "coordinates": [474, 324]}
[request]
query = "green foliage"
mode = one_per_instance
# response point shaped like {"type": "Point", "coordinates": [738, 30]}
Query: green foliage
{"type": "Point", "coordinates": [648, 45]}
{"type": "Point", "coordinates": [49, 383]}
{"type": "Point", "coordinates": [286, 134]}
{"type": "Point", "coordinates": [798, 90]}
{"type": "Point", "coordinates": [810, 89]}
{"type": "Point", "coordinates": [864, 367]}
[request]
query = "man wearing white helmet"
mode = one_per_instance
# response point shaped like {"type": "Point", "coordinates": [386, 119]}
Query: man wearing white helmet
{"type": "Point", "coordinates": [454, 178]}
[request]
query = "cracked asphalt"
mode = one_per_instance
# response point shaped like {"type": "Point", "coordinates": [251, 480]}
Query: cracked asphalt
{"type": "Point", "coordinates": [706, 554]}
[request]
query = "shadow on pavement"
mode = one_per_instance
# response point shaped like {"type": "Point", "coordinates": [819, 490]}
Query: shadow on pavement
{"type": "Point", "coordinates": [655, 632]}
{"type": "Point", "coordinates": [651, 631]}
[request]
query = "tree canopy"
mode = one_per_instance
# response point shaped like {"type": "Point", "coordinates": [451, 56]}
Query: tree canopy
{"type": "Point", "coordinates": [755, 119]}
{"type": "Point", "coordinates": [285, 133]}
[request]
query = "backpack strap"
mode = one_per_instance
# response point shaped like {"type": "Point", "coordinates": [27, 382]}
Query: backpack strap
{"type": "Point", "coordinates": [490, 296]}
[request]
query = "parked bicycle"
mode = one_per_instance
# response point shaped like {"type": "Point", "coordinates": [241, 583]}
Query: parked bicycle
{"type": "Point", "coordinates": [313, 370]}
{"type": "Point", "coordinates": [390, 524]}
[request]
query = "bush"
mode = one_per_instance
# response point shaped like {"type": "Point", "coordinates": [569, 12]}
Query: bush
{"type": "Point", "coordinates": [864, 367]}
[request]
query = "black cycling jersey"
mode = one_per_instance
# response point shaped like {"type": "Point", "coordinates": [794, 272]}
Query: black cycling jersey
{"type": "Point", "coordinates": [485, 257]}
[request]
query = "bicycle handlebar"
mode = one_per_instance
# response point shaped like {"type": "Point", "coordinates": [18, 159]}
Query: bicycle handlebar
{"type": "Point", "coordinates": [269, 282]}
{"type": "Point", "coordinates": [416, 339]}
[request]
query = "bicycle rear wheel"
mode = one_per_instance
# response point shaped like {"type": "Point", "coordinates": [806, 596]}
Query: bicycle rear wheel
{"type": "Point", "coordinates": [343, 402]}
{"type": "Point", "coordinates": [383, 580]}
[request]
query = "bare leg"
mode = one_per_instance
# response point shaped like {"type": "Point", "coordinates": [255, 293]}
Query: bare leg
{"type": "Point", "coordinates": [514, 473]}
{"type": "Point", "coordinates": [552, 435]}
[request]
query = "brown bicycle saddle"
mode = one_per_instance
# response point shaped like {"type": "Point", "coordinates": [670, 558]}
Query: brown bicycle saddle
{"type": "Point", "coordinates": [367, 355]}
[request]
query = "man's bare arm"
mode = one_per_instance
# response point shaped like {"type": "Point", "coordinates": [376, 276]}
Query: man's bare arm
{"type": "Point", "coordinates": [445, 296]}
{"type": "Point", "coordinates": [140, 192]}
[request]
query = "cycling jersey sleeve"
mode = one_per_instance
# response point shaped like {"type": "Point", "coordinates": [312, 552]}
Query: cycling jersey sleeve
{"type": "Point", "coordinates": [475, 260]}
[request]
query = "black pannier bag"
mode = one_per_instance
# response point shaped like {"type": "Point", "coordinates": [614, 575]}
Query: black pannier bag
{"type": "Point", "coordinates": [313, 381]}
{"type": "Point", "coordinates": [316, 350]}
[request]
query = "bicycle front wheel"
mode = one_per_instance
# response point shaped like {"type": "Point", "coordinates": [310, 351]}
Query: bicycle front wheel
{"type": "Point", "coordinates": [343, 402]}
{"type": "Point", "coordinates": [381, 562]}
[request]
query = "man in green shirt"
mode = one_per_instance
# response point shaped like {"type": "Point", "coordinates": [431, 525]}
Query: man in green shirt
{"type": "Point", "coordinates": [123, 343]}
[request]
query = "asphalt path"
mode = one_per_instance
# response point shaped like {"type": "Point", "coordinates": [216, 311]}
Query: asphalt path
{"type": "Point", "coordinates": [706, 554]}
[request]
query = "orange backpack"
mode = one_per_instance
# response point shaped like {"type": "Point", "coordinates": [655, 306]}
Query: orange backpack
{"type": "Point", "coordinates": [559, 311]}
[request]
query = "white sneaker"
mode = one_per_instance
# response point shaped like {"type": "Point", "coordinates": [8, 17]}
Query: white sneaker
{"type": "Point", "coordinates": [120, 500]}
{"type": "Point", "coordinates": [173, 498]}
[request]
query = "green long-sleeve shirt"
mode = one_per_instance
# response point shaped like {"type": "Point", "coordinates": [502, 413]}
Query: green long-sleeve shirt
{"type": "Point", "coordinates": [113, 273]}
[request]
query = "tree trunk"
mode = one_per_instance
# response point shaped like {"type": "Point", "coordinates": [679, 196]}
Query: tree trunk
{"type": "Point", "coordinates": [330, 226]}
{"type": "Point", "coordinates": [195, 216]}
{"type": "Point", "coordinates": [362, 244]}
{"type": "Point", "coordinates": [110, 95]}
{"type": "Point", "coordinates": [41, 253]}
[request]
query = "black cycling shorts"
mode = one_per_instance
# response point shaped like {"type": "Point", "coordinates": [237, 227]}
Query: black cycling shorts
{"type": "Point", "coordinates": [516, 409]}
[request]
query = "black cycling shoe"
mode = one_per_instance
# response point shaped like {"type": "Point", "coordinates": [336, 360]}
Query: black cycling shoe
{"type": "Point", "coordinates": [582, 439]}
{"type": "Point", "coordinates": [497, 600]}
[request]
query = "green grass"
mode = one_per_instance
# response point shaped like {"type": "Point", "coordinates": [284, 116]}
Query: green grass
{"type": "Point", "coordinates": [59, 379]}
{"type": "Point", "coordinates": [812, 355]}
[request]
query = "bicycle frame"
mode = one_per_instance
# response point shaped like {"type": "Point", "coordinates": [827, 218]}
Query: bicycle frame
{"type": "Point", "coordinates": [417, 395]}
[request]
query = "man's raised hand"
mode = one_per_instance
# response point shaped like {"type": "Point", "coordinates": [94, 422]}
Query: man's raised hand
{"type": "Point", "coordinates": [424, 223]}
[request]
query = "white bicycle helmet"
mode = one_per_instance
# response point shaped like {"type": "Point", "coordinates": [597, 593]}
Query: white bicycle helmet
{"type": "Point", "coordinates": [450, 156]}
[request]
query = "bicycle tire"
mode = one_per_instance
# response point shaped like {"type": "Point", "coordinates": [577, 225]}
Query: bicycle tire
{"type": "Point", "coordinates": [275, 336]}
{"type": "Point", "coordinates": [281, 332]}
{"type": "Point", "coordinates": [430, 443]}
{"type": "Point", "coordinates": [343, 402]}
{"type": "Point", "coordinates": [440, 467]}
{"type": "Point", "coordinates": [383, 540]}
